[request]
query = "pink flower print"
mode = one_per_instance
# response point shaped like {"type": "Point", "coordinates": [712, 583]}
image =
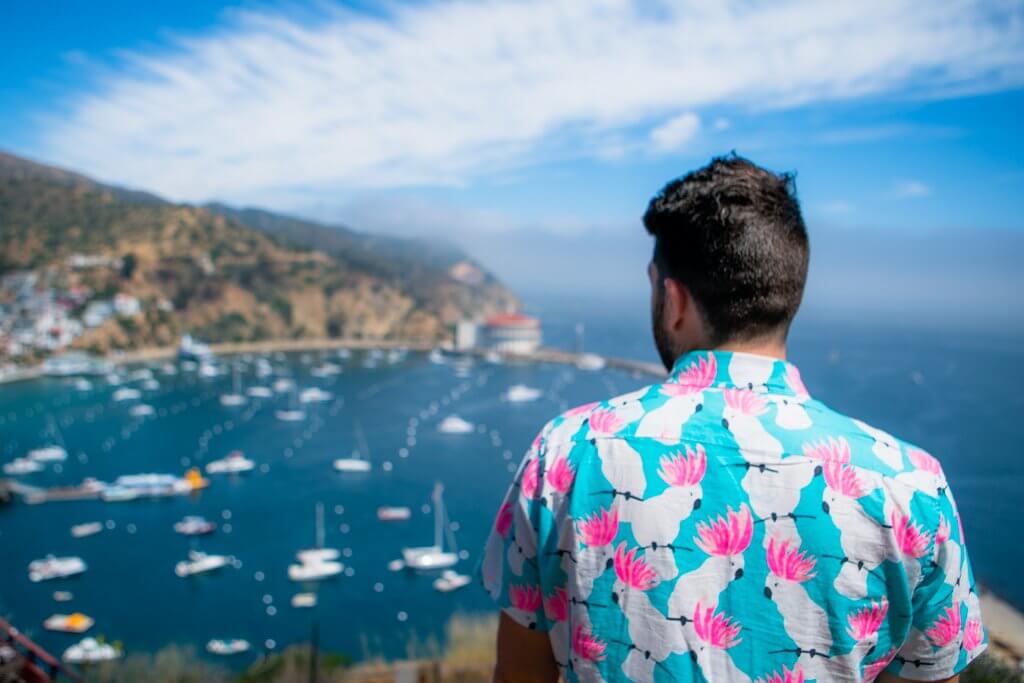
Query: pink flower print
{"type": "Point", "coordinates": [946, 628]}
{"type": "Point", "coordinates": [632, 570]}
{"type": "Point", "coordinates": [784, 676]}
{"type": "Point", "coordinates": [697, 376]}
{"type": "Point", "coordinates": [795, 382]}
{"type": "Point", "coordinates": [911, 538]}
{"type": "Point", "coordinates": [587, 645]}
{"type": "Point", "coordinates": [942, 533]}
{"type": "Point", "coordinates": [537, 441]}
{"type": "Point", "coordinates": [875, 668]}
{"type": "Point", "coordinates": [725, 537]}
{"type": "Point", "coordinates": [789, 562]}
{"type": "Point", "coordinates": [503, 522]}
{"type": "Point", "coordinates": [560, 475]}
{"type": "Point", "coordinates": [833, 450]}
{"type": "Point", "coordinates": [717, 630]}
{"type": "Point", "coordinates": [531, 478]}
{"type": "Point", "coordinates": [974, 634]}
{"type": "Point", "coordinates": [685, 470]}
{"type": "Point", "coordinates": [745, 401]}
{"type": "Point", "coordinates": [924, 461]}
{"type": "Point", "coordinates": [865, 622]}
{"type": "Point", "coordinates": [605, 423]}
{"type": "Point", "coordinates": [556, 605]}
{"type": "Point", "coordinates": [843, 479]}
{"type": "Point", "coordinates": [525, 597]}
{"type": "Point", "coordinates": [580, 410]}
{"type": "Point", "coordinates": [600, 528]}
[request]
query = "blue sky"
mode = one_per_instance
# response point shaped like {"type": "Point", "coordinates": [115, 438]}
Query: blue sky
{"type": "Point", "coordinates": [534, 133]}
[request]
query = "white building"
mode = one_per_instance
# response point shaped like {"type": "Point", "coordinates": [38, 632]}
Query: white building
{"type": "Point", "coordinates": [513, 333]}
{"type": "Point", "coordinates": [465, 335]}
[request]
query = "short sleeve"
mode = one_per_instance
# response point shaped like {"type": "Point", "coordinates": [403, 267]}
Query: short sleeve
{"type": "Point", "coordinates": [947, 631]}
{"type": "Point", "coordinates": [518, 558]}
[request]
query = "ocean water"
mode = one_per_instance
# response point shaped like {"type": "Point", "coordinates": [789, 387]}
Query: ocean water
{"type": "Point", "coordinates": [958, 398]}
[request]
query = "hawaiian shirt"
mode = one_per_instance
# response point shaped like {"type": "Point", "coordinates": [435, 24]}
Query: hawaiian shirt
{"type": "Point", "coordinates": [725, 526]}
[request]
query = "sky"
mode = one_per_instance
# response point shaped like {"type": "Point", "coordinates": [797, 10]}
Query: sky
{"type": "Point", "coordinates": [533, 133]}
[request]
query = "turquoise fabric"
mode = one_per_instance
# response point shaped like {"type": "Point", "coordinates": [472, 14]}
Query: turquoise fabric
{"type": "Point", "coordinates": [725, 526]}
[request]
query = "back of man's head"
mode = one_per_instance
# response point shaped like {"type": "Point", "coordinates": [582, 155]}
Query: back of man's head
{"type": "Point", "coordinates": [732, 234]}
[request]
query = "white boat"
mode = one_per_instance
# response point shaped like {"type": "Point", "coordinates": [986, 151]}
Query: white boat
{"type": "Point", "coordinates": [113, 379]}
{"type": "Point", "coordinates": [194, 526]}
{"type": "Point", "coordinates": [140, 375]}
{"type": "Point", "coordinates": [453, 424]}
{"type": "Point", "coordinates": [451, 580]}
{"type": "Point", "coordinates": [290, 415]}
{"type": "Point", "coordinates": [259, 392]}
{"type": "Point", "coordinates": [86, 529]}
{"type": "Point", "coordinates": [263, 368]}
{"type": "Point", "coordinates": [230, 646]}
{"type": "Point", "coordinates": [48, 454]}
{"type": "Point", "coordinates": [232, 463]}
{"type": "Point", "coordinates": [326, 370]}
{"type": "Point", "coordinates": [69, 623]}
{"type": "Point", "coordinates": [83, 384]}
{"type": "Point", "coordinates": [118, 494]}
{"type": "Point", "coordinates": [199, 563]}
{"type": "Point", "coordinates": [314, 395]}
{"type": "Point", "coordinates": [389, 513]}
{"type": "Point", "coordinates": [283, 385]}
{"type": "Point", "coordinates": [90, 650]}
{"type": "Point", "coordinates": [319, 562]}
{"type": "Point", "coordinates": [208, 370]}
{"type": "Point", "coordinates": [126, 394]}
{"type": "Point", "coordinates": [150, 385]}
{"type": "Point", "coordinates": [51, 567]}
{"type": "Point", "coordinates": [434, 556]}
{"type": "Point", "coordinates": [22, 466]}
{"type": "Point", "coordinates": [63, 596]}
{"type": "Point", "coordinates": [520, 393]}
{"type": "Point", "coordinates": [193, 350]}
{"type": "Point", "coordinates": [436, 357]}
{"type": "Point", "coordinates": [396, 565]}
{"type": "Point", "coordinates": [141, 410]}
{"type": "Point", "coordinates": [356, 463]}
{"type": "Point", "coordinates": [590, 361]}
{"type": "Point", "coordinates": [304, 600]}
{"type": "Point", "coordinates": [493, 357]}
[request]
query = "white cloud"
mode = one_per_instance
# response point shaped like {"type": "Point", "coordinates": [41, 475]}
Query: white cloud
{"type": "Point", "coordinates": [910, 189]}
{"type": "Point", "coordinates": [721, 123]}
{"type": "Point", "coordinates": [836, 207]}
{"type": "Point", "coordinates": [445, 92]}
{"type": "Point", "coordinates": [675, 132]}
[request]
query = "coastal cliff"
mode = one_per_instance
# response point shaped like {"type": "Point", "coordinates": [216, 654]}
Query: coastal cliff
{"type": "Point", "coordinates": [92, 266]}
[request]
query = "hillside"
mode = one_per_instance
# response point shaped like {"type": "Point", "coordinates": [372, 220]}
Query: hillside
{"type": "Point", "coordinates": [69, 246]}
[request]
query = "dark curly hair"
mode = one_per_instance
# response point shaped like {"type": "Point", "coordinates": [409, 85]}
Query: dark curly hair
{"type": "Point", "coordinates": [732, 233]}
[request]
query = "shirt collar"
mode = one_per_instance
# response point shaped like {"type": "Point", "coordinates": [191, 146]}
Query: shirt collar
{"type": "Point", "coordinates": [735, 370]}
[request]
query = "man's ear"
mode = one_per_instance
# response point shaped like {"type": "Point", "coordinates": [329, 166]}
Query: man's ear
{"type": "Point", "coordinates": [677, 304]}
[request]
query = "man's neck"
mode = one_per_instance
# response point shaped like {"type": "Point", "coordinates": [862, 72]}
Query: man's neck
{"type": "Point", "coordinates": [756, 348]}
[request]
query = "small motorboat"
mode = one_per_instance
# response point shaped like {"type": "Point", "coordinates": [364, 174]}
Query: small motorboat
{"type": "Point", "coordinates": [520, 393]}
{"type": "Point", "coordinates": [90, 650]}
{"type": "Point", "coordinates": [304, 600]}
{"type": "Point", "coordinates": [63, 596]}
{"type": "Point", "coordinates": [200, 563]}
{"type": "Point", "coordinates": [75, 622]}
{"type": "Point", "coordinates": [228, 647]}
{"type": "Point", "coordinates": [86, 529]}
{"type": "Point", "coordinates": [451, 580]}
{"type": "Point", "coordinates": [194, 526]}
{"type": "Point", "coordinates": [393, 513]}
{"type": "Point", "coordinates": [290, 415]}
{"type": "Point", "coordinates": [453, 424]}
{"type": "Point", "coordinates": [259, 392]}
{"type": "Point", "coordinates": [48, 454]}
{"type": "Point", "coordinates": [283, 385]}
{"type": "Point", "coordinates": [141, 410]}
{"type": "Point", "coordinates": [314, 395]}
{"type": "Point", "coordinates": [126, 394]}
{"type": "Point", "coordinates": [353, 464]}
{"type": "Point", "coordinates": [83, 384]}
{"type": "Point", "coordinates": [51, 567]}
{"type": "Point", "coordinates": [232, 463]}
{"type": "Point", "coordinates": [590, 362]}
{"type": "Point", "coordinates": [232, 400]}
{"type": "Point", "coordinates": [22, 466]}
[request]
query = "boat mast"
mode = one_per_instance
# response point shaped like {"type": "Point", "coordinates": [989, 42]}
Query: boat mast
{"type": "Point", "coordinates": [438, 514]}
{"type": "Point", "coordinates": [319, 525]}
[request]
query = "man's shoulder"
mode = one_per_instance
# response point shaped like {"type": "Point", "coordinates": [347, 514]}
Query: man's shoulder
{"type": "Point", "coordinates": [605, 418]}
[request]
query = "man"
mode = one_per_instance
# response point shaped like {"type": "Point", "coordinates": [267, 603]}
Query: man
{"type": "Point", "coordinates": [723, 525]}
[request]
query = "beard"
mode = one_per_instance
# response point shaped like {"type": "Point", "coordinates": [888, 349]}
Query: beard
{"type": "Point", "coordinates": [662, 340]}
